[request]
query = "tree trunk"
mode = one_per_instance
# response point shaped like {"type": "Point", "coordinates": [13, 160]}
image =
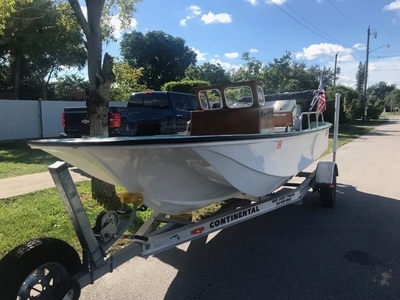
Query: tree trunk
{"type": "Point", "coordinates": [98, 107]}
{"type": "Point", "coordinates": [17, 75]}
{"type": "Point", "coordinates": [44, 92]}
{"type": "Point", "coordinates": [105, 194]}
{"type": "Point", "coordinates": [100, 78]}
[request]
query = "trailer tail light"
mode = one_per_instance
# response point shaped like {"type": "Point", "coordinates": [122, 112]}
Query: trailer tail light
{"type": "Point", "coordinates": [115, 120]}
{"type": "Point", "coordinates": [63, 119]}
{"type": "Point", "coordinates": [197, 230]}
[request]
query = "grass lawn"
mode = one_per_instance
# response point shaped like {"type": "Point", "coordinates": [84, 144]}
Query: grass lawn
{"type": "Point", "coordinates": [347, 134]}
{"type": "Point", "coordinates": [17, 158]}
{"type": "Point", "coordinates": [41, 214]}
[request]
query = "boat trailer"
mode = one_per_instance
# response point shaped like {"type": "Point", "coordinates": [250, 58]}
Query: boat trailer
{"type": "Point", "coordinates": [52, 268]}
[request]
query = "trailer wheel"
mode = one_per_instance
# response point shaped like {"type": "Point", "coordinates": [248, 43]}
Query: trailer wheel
{"type": "Point", "coordinates": [40, 269]}
{"type": "Point", "coordinates": [327, 194]}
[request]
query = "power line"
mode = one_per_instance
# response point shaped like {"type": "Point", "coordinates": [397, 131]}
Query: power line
{"type": "Point", "coordinates": [312, 24]}
{"type": "Point", "coordinates": [30, 7]}
{"type": "Point", "coordinates": [300, 22]}
{"type": "Point", "coordinates": [344, 15]}
{"type": "Point", "coordinates": [27, 7]}
{"type": "Point", "coordinates": [383, 56]}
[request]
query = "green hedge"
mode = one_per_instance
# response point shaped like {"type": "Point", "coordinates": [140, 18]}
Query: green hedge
{"type": "Point", "coordinates": [185, 86]}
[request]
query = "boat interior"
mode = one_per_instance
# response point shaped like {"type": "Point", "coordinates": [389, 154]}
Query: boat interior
{"type": "Point", "coordinates": [240, 108]}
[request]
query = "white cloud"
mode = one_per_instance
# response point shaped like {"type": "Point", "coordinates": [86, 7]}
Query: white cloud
{"type": "Point", "coordinates": [252, 50]}
{"type": "Point", "coordinates": [253, 2]}
{"type": "Point", "coordinates": [347, 57]}
{"type": "Point", "coordinates": [224, 65]}
{"type": "Point", "coordinates": [200, 56]}
{"type": "Point", "coordinates": [194, 11]}
{"type": "Point", "coordinates": [216, 18]}
{"type": "Point", "coordinates": [183, 21]}
{"type": "Point", "coordinates": [381, 69]}
{"type": "Point", "coordinates": [116, 23]}
{"type": "Point", "coordinates": [322, 50]}
{"type": "Point", "coordinates": [392, 6]}
{"type": "Point", "coordinates": [277, 2]}
{"type": "Point", "coordinates": [360, 46]}
{"type": "Point", "coordinates": [231, 55]}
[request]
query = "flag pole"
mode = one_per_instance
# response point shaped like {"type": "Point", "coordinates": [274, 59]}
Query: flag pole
{"type": "Point", "coordinates": [336, 125]}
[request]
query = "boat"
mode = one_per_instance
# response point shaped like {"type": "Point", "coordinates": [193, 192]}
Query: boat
{"type": "Point", "coordinates": [235, 143]}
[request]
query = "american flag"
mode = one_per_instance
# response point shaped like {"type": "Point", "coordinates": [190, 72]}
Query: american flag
{"type": "Point", "coordinates": [321, 100]}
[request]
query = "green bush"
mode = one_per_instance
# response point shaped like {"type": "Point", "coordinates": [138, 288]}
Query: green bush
{"type": "Point", "coordinates": [375, 107]}
{"type": "Point", "coordinates": [184, 86]}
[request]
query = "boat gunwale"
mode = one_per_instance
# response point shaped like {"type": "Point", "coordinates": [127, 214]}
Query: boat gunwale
{"type": "Point", "coordinates": [168, 139]}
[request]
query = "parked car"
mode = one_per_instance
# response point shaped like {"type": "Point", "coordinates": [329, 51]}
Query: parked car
{"type": "Point", "coordinates": [146, 113]}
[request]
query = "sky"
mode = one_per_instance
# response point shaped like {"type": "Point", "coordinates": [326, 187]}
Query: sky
{"type": "Point", "coordinates": [314, 31]}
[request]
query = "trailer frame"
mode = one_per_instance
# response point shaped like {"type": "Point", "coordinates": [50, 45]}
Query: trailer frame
{"type": "Point", "coordinates": [150, 239]}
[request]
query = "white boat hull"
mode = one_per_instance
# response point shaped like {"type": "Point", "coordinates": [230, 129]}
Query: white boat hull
{"type": "Point", "coordinates": [181, 177]}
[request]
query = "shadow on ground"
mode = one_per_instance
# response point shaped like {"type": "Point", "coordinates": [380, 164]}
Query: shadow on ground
{"type": "Point", "coordinates": [298, 252]}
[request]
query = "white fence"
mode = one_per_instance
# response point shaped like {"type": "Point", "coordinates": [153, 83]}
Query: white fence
{"type": "Point", "coordinates": [31, 119]}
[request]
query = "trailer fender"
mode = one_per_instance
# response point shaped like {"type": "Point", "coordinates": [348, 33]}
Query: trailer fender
{"type": "Point", "coordinates": [325, 173]}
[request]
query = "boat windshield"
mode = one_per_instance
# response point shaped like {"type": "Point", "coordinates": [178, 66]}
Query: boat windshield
{"type": "Point", "coordinates": [210, 99]}
{"type": "Point", "coordinates": [234, 95]}
{"type": "Point", "coordinates": [261, 97]}
{"type": "Point", "coordinates": [238, 96]}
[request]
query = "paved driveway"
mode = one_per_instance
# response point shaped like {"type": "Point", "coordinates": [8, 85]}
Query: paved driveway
{"type": "Point", "coordinates": [298, 252]}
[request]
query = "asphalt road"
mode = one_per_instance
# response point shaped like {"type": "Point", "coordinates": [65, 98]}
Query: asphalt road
{"type": "Point", "coordinates": [350, 251]}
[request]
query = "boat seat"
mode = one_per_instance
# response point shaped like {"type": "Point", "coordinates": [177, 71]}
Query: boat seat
{"type": "Point", "coordinates": [232, 121]}
{"type": "Point", "coordinates": [282, 118]}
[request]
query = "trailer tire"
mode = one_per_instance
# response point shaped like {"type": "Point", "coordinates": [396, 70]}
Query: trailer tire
{"type": "Point", "coordinates": [327, 194]}
{"type": "Point", "coordinates": [37, 266]}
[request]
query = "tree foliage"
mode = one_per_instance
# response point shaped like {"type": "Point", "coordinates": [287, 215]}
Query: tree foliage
{"type": "Point", "coordinates": [68, 87]}
{"type": "Point", "coordinates": [375, 106]}
{"type": "Point", "coordinates": [283, 75]}
{"type": "Point", "coordinates": [251, 70]}
{"type": "Point", "coordinates": [212, 73]}
{"type": "Point", "coordinates": [164, 58]}
{"type": "Point", "coordinates": [184, 86]}
{"type": "Point", "coordinates": [126, 81]}
{"type": "Point", "coordinates": [381, 89]}
{"type": "Point", "coordinates": [8, 7]}
{"type": "Point", "coordinates": [360, 77]}
{"type": "Point", "coordinates": [40, 39]}
{"type": "Point", "coordinates": [377, 97]}
{"type": "Point", "coordinates": [277, 75]}
{"type": "Point", "coordinates": [350, 103]}
{"type": "Point", "coordinates": [392, 100]}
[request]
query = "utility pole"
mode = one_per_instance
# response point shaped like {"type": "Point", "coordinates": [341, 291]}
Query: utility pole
{"type": "Point", "coordinates": [366, 77]}
{"type": "Point", "coordinates": [334, 74]}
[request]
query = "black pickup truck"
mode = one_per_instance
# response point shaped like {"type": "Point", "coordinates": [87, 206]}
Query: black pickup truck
{"type": "Point", "coordinates": [146, 113]}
